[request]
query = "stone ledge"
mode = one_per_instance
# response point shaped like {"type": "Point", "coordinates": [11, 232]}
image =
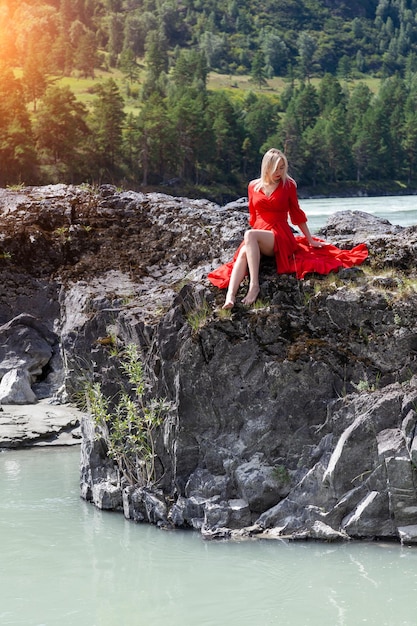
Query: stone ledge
{"type": "Point", "coordinates": [40, 424]}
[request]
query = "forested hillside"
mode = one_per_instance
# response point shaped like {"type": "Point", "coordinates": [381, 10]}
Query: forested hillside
{"type": "Point", "coordinates": [304, 36]}
{"type": "Point", "coordinates": [332, 126]}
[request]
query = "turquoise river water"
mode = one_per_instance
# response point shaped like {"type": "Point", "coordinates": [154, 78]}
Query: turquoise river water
{"type": "Point", "coordinates": [65, 563]}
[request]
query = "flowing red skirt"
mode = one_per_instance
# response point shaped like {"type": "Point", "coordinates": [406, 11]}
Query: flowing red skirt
{"type": "Point", "coordinates": [293, 255]}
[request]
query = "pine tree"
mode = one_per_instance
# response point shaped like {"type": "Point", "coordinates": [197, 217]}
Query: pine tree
{"type": "Point", "coordinates": [61, 131]}
{"type": "Point", "coordinates": [258, 69]}
{"type": "Point", "coordinates": [106, 123]}
{"type": "Point", "coordinates": [18, 161]}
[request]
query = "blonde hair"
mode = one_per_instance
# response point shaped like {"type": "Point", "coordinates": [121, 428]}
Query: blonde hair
{"type": "Point", "coordinates": [269, 164]}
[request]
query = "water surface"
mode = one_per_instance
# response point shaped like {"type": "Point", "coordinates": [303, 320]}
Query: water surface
{"type": "Point", "coordinates": [65, 563]}
{"type": "Point", "coordinates": [401, 210]}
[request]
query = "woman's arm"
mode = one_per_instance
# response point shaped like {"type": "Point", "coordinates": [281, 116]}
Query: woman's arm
{"type": "Point", "coordinates": [306, 232]}
{"type": "Point", "coordinates": [252, 211]}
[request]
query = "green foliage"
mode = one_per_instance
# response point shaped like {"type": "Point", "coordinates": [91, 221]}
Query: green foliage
{"type": "Point", "coordinates": [17, 146]}
{"type": "Point", "coordinates": [280, 473]}
{"type": "Point", "coordinates": [306, 35]}
{"type": "Point", "coordinates": [260, 304]}
{"type": "Point", "coordinates": [159, 122]}
{"type": "Point", "coordinates": [130, 426]}
{"type": "Point", "coordinates": [366, 385]}
{"type": "Point", "coordinates": [61, 130]}
{"type": "Point", "coordinates": [106, 123]}
{"type": "Point", "coordinates": [198, 317]}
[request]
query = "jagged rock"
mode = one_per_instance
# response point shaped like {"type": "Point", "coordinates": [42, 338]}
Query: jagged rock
{"type": "Point", "coordinates": [358, 224]}
{"type": "Point", "coordinates": [107, 496]}
{"type": "Point", "coordinates": [321, 532]}
{"type": "Point", "coordinates": [293, 419]}
{"type": "Point", "coordinates": [188, 512]}
{"type": "Point", "coordinates": [15, 388]}
{"type": "Point", "coordinates": [95, 465]}
{"type": "Point", "coordinates": [216, 533]}
{"type": "Point", "coordinates": [260, 484]}
{"type": "Point", "coordinates": [239, 513]}
{"type": "Point", "coordinates": [408, 534]}
{"type": "Point", "coordinates": [145, 505]}
{"type": "Point", "coordinates": [370, 517]}
{"type": "Point", "coordinates": [25, 344]}
{"type": "Point", "coordinates": [29, 353]}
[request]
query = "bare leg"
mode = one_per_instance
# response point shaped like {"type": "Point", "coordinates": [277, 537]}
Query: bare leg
{"type": "Point", "coordinates": [257, 242]}
{"type": "Point", "coordinates": [239, 271]}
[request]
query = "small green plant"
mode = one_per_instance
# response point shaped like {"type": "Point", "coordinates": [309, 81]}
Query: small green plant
{"type": "Point", "coordinates": [61, 230]}
{"type": "Point", "coordinates": [129, 429]}
{"type": "Point", "coordinates": [280, 473]}
{"type": "Point", "coordinates": [259, 304]}
{"type": "Point", "coordinates": [397, 319]}
{"type": "Point", "coordinates": [224, 314]}
{"type": "Point", "coordinates": [114, 350]}
{"type": "Point", "coordinates": [128, 300]}
{"type": "Point", "coordinates": [365, 385]}
{"type": "Point", "coordinates": [63, 233]}
{"type": "Point", "coordinates": [16, 187]}
{"type": "Point", "coordinates": [199, 316]}
{"type": "Point", "coordinates": [5, 255]}
{"type": "Point", "coordinates": [307, 296]}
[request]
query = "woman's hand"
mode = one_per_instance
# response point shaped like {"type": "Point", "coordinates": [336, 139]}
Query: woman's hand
{"type": "Point", "coordinates": [313, 243]}
{"type": "Point", "coordinates": [316, 243]}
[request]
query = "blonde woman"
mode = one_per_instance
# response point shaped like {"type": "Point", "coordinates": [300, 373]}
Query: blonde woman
{"type": "Point", "coordinates": [272, 200]}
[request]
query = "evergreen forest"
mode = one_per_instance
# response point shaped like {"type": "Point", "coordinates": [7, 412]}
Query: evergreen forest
{"type": "Point", "coordinates": [345, 112]}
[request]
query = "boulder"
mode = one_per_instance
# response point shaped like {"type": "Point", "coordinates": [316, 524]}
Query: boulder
{"type": "Point", "coordinates": [15, 388]}
{"type": "Point", "coordinates": [27, 347]}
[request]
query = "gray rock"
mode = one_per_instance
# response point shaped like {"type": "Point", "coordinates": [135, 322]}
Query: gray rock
{"type": "Point", "coordinates": [107, 496]}
{"type": "Point", "coordinates": [15, 388]}
{"type": "Point", "coordinates": [408, 534]}
{"type": "Point", "coordinates": [294, 419]}
{"type": "Point", "coordinates": [40, 424]}
{"type": "Point", "coordinates": [144, 505]}
{"type": "Point", "coordinates": [370, 517]}
{"type": "Point", "coordinates": [261, 485]}
{"type": "Point", "coordinates": [323, 532]}
{"type": "Point", "coordinates": [359, 224]}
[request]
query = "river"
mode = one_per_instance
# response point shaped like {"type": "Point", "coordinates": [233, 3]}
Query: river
{"type": "Point", "coordinates": [65, 563]}
{"type": "Point", "coordinates": [401, 210]}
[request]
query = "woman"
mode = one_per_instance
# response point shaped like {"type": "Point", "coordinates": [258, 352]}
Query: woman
{"type": "Point", "coordinates": [272, 199]}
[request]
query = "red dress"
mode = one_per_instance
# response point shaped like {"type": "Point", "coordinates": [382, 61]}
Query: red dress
{"type": "Point", "coordinates": [293, 255]}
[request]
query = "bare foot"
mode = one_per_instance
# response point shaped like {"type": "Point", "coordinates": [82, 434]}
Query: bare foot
{"type": "Point", "coordinates": [251, 295]}
{"type": "Point", "coordinates": [230, 302]}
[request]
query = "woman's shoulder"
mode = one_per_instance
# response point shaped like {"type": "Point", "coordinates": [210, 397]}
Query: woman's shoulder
{"type": "Point", "coordinates": [254, 184]}
{"type": "Point", "coordinates": [291, 182]}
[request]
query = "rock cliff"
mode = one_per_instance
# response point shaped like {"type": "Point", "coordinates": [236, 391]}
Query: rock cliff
{"type": "Point", "coordinates": [295, 417]}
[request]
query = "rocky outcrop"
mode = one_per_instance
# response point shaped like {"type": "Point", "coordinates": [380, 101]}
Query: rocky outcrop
{"type": "Point", "coordinates": [26, 348]}
{"type": "Point", "coordinates": [295, 417]}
